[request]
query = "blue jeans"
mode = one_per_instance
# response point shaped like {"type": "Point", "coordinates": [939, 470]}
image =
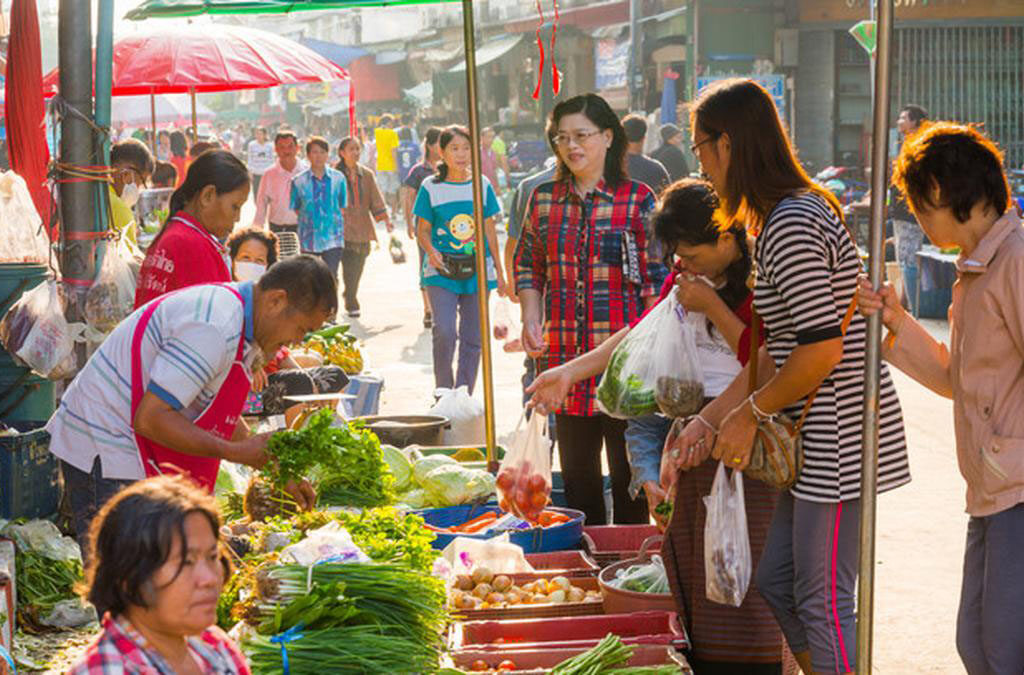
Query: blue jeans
{"type": "Point", "coordinates": [456, 320]}
{"type": "Point", "coordinates": [87, 493]}
{"type": "Point", "coordinates": [332, 258]}
{"type": "Point", "coordinates": [645, 439]}
{"type": "Point", "coordinates": [990, 623]}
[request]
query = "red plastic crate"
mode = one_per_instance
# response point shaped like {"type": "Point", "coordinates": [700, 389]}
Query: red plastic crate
{"type": "Point", "coordinates": [566, 563]}
{"type": "Point", "coordinates": [537, 611]}
{"type": "Point", "coordinates": [608, 544]}
{"type": "Point", "coordinates": [655, 628]}
{"type": "Point", "coordinates": [543, 660]}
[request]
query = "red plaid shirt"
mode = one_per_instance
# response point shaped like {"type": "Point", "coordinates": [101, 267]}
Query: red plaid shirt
{"type": "Point", "coordinates": [122, 649]}
{"type": "Point", "coordinates": [594, 260]}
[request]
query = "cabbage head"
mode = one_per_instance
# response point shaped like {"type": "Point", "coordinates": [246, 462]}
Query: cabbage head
{"type": "Point", "coordinates": [416, 498]}
{"type": "Point", "coordinates": [451, 485]}
{"type": "Point", "coordinates": [424, 466]}
{"type": "Point", "coordinates": [401, 467]}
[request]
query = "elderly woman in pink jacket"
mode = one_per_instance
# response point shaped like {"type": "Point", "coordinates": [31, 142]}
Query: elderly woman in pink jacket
{"type": "Point", "coordinates": [953, 179]}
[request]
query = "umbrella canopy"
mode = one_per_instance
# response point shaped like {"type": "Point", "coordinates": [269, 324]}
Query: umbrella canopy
{"type": "Point", "coordinates": [178, 8]}
{"type": "Point", "coordinates": [210, 58]}
{"type": "Point", "coordinates": [170, 109]}
{"type": "Point", "coordinates": [23, 106]}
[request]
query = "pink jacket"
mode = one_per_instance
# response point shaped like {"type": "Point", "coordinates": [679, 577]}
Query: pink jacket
{"type": "Point", "coordinates": [983, 371]}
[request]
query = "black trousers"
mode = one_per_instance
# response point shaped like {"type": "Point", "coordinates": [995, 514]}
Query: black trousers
{"type": "Point", "coordinates": [353, 260]}
{"type": "Point", "coordinates": [579, 448]}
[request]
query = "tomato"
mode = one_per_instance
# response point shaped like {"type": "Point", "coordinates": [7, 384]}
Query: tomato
{"type": "Point", "coordinates": [522, 501]}
{"type": "Point", "coordinates": [506, 480]}
{"type": "Point", "coordinates": [507, 665]}
{"type": "Point", "coordinates": [545, 519]}
{"type": "Point", "coordinates": [479, 666]}
{"type": "Point", "coordinates": [537, 483]}
{"type": "Point", "coordinates": [538, 500]}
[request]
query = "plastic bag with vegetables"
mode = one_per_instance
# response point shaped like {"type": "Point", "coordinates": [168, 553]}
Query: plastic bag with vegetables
{"type": "Point", "coordinates": [646, 578]}
{"type": "Point", "coordinates": [35, 331]}
{"type": "Point", "coordinates": [655, 367]}
{"type": "Point", "coordinates": [524, 478]}
{"type": "Point", "coordinates": [112, 295]}
{"type": "Point", "coordinates": [727, 561]}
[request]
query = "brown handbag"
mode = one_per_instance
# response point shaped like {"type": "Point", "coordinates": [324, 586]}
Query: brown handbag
{"type": "Point", "coordinates": [777, 456]}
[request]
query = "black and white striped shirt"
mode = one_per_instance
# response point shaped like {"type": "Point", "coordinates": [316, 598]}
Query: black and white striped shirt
{"type": "Point", "coordinates": [807, 267]}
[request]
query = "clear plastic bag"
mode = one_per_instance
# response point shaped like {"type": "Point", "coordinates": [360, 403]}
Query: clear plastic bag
{"type": "Point", "coordinates": [35, 331]}
{"type": "Point", "coordinates": [111, 297]}
{"type": "Point", "coordinates": [24, 238]}
{"type": "Point", "coordinates": [655, 367]}
{"type": "Point", "coordinates": [646, 578]}
{"type": "Point", "coordinates": [524, 478]}
{"type": "Point", "coordinates": [465, 415]}
{"type": "Point", "coordinates": [505, 324]}
{"type": "Point", "coordinates": [727, 561]}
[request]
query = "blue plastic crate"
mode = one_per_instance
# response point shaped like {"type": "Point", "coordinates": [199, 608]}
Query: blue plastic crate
{"type": "Point", "coordinates": [29, 487]}
{"type": "Point", "coordinates": [536, 540]}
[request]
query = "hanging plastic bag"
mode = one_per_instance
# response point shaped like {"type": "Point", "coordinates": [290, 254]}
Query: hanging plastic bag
{"type": "Point", "coordinates": [654, 368]}
{"type": "Point", "coordinates": [111, 297]}
{"type": "Point", "coordinates": [727, 562]}
{"type": "Point", "coordinates": [505, 324]}
{"type": "Point", "coordinates": [465, 415]}
{"type": "Point", "coordinates": [396, 250]}
{"type": "Point", "coordinates": [524, 478]}
{"type": "Point", "coordinates": [35, 331]}
{"type": "Point", "coordinates": [24, 238]}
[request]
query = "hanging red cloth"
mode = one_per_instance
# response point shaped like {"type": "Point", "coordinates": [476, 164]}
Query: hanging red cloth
{"type": "Point", "coordinates": [23, 105]}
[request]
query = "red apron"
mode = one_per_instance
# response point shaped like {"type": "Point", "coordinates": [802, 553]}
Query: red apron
{"type": "Point", "coordinates": [220, 418]}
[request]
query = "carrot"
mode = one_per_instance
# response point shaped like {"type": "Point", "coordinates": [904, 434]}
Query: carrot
{"type": "Point", "coordinates": [477, 523]}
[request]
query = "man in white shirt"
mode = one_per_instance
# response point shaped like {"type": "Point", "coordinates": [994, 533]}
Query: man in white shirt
{"type": "Point", "coordinates": [259, 157]}
{"type": "Point", "coordinates": [274, 196]}
{"type": "Point", "coordinates": [165, 391]}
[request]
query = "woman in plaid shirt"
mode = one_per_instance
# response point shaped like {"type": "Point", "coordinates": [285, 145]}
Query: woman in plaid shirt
{"type": "Point", "coordinates": [155, 575]}
{"type": "Point", "coordinates": [584, 250]}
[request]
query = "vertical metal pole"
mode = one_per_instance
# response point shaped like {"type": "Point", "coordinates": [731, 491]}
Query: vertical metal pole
{"type": "Point", "coordinates": [195, 117]}
{"type": "Point", "coordinates": [77, 199]}
{"type": "Point", "coordinates": [152, 119]}
{"type": "Point", "coordinates": [480, 239]}
{"type": "Point", "coordinates": [872, 360]}
{"type": "Point", "coordinates": [635, 78]}
{"type": "Point", "coordinates": [104, 83]}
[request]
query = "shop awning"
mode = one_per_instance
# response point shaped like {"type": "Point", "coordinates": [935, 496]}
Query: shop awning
{"type": "Point", "coordinates": [339, 54]}
{"type": "Point", "coordinates": [489, 52]}
{"type": "Point", "coordinates": [422, 94]}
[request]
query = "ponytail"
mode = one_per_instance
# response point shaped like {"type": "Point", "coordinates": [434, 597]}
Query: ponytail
{"type": "Point", "coordinates": [219, 168]}
{"type": "Point", "coordinates": [442, 172]}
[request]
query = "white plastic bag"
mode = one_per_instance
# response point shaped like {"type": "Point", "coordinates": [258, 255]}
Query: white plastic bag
{"type": "Point", "coordinates": [505, 324]}
{"type": "Point", "coordinates": [524, 478]}
{"type": "Point", "coordinates": [331, 542]}
{"type": "Point", "coordinates": [111, 297]}
{"type": "Point", "coordinates": [465, 413]}
{"type": "Point", "coordinates": [498, 554]}
{"type": "Point", "coordinates": [35, 331]}
{"type": "Point", "coordinates": [655, 367]}
{"type": "Point", "coordinates": [727, 563]}
{"type": "Point", "coordinates": [24, 239]}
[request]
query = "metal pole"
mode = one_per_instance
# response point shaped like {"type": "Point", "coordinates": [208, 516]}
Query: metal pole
{"type": "Point", "coordinates": [479, 238]}
{"type": "Point", "coordinates": [195, 117]}
{"type": "Point", "coordinates": [872, 360]}
{"type": "Point", "coordinates": [77, 199]}
{"type": "Point", "coordinates": [152, 119]}
{"type": "Point", "coordinates": [104, 83]}
{"type": "Point", "coordinates": [635, 78]}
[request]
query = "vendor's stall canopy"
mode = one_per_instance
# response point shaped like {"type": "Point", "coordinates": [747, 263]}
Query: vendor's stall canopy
{"type": "Point", "coordinates": [178, 8]}
{"type": "Point", "coordinates": [454, 79]}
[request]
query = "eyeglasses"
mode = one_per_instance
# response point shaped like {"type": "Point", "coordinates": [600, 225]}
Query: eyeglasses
{"type": "Point", "coordinates": [693, 148]}
{"type": "Point", "coordinates": [577, 137]}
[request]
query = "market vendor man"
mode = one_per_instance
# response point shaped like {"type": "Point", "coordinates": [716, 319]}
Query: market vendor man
{"type": "Point", "coordinates": [164, 392]}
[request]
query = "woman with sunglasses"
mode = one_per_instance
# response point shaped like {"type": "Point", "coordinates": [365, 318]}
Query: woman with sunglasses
{"type": "Point", "coordinates": [807, 267]}
{"type": "Point", "coordinates": [584, 251]}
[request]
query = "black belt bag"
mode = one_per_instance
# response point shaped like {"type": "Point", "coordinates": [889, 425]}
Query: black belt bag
{"type": "Point", "coordinates": [458, 267]}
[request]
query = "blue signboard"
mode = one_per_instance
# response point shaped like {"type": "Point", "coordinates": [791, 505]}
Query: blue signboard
{"type": "Point", "coordinates": [775, 84]}
{"type": "Point", "coordinates": [611, 61]}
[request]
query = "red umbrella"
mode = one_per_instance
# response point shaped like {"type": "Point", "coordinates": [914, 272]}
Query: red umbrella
{"type": "Point", "coordinates": [209, 58]}
{"type": "Point", "coordinates": [23, 106]}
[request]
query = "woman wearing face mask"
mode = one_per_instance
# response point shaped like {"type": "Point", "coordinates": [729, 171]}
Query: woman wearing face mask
{"type": "Point", "coordinates": [157, 594]}
{"type": "Point", "coordinates": [807, 268]}
{"type": "Point", "coordinates": [584, 254]}
{"type": "Point", "coordinates": [724, 639]}
{"type": "Point", "coordinates": [252, 251]}
{"type": "Point", "coordinates": [132, 166]}
{"type": "Point", "coordinates": [444, 209]}
{"type": "Point", "coordinates": [204, 210]}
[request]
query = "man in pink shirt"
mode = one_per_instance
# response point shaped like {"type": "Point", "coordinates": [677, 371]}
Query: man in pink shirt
{"type": "Point", "coordinates": [273, 198]}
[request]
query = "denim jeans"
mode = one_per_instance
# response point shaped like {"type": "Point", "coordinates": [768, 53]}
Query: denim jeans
{"type": "Point", "coordinates": [456, 322]}
{"type": "Point", "coordinates": [88, 492]}
{"type": "Point", "coordinates": [645, 439]}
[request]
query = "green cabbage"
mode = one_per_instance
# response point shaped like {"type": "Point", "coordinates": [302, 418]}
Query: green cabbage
{"type": "Point", "coordinates": [454, 484]}
{"type": "Point", "coordinates": [401, 467]}
{"type": "Point", "coordinates": [416, 498]}
{"type": "Point", "coordinates": [424, 466]}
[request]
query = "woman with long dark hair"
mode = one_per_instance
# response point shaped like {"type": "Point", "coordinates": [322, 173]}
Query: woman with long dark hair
{"type": "Point", "coordinates": [807, 266]}
{"type": "Point", "coordinates": [204, 209]}
{"type": "Point", "coordinates": [724, 639]}
{"type": "Point", "coordinates": [446, 230]}
{"type": "Point", "coordinates": [583, 252]}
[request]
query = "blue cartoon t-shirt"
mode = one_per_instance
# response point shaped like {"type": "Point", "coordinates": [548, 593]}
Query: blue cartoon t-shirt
{"type": "Point", "coordinates": [448, 207]}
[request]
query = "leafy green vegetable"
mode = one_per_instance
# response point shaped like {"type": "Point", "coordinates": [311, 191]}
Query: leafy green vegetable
{"type": "Point", "coordinates": [401, 467]}
{"type": "Point", "coordinates": [451, 485]}
{"type": "Point", "coordinates": [664, 508]}
{"type": "Point", "coordinates": [295, 452]}
{"type": "Point", "coordinates": [629, 398]}
{"type": "Point", "coordinates": [42, 583]}
{"type": "Point", "coordinates": [424, 466]}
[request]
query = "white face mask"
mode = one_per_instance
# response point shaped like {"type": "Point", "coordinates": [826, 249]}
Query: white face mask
{"type": "Point", "coordinates": [130, 195]}
{"type": "Point", "coordinates": [249, 271]}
